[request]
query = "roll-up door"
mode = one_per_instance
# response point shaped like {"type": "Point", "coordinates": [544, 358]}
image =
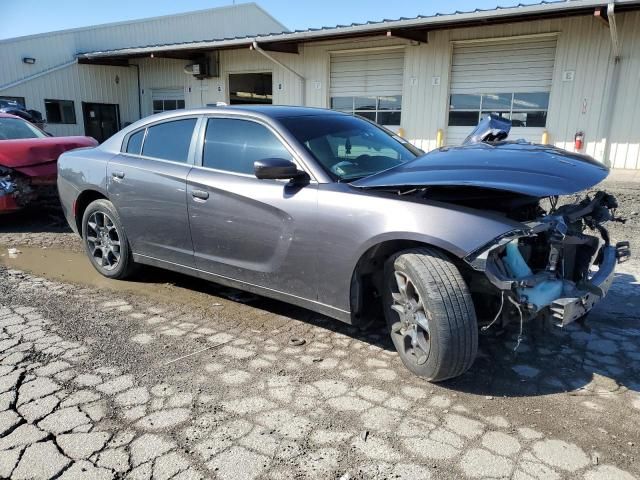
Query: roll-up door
{"type": "Point", "coordinates": [368, 83]}
{"type": "Point", "coordinates": [511, 78]}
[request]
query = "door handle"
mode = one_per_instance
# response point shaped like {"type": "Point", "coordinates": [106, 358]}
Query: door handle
{"type": "Point", "coordinates": [200, 194]}
{"type": "Point", "coordinates": [119, 175]}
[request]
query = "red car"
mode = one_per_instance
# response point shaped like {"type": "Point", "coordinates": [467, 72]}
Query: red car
{"type": "Point", "coordinates": [28, 161]}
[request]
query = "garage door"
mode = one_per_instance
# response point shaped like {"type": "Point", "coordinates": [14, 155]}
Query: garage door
{"type": "Point", "coordinates": [369, 84]}
{"type": "Point", "coordinates": [511, 78]}
{"type": "Point", "coordinates": [167, 99]}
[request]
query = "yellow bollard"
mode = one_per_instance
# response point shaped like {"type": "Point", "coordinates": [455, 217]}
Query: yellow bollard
{"type": "Point", "coordinates": [439, 138]}
{"type": "Point", "coordinates": [545, 137]}
{"type": "Point", "coordinates": [401, 132]}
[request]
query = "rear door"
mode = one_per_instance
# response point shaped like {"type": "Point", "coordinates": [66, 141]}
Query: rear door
{"type": "Point", "coordinates": [243, 228]}
{"type": "Point", "coordinates": [147, 184]}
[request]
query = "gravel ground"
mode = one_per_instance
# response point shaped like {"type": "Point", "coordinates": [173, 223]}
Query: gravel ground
{"type": "Point", "coordinates": [168, 377]}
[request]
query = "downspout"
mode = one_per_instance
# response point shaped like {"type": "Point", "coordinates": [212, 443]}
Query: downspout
{"type": "Point", "coordinates": [139, 92]}
{"type": "Point", "coordinates": [303, 81]}
{"type": "Point", "coordinates": [613, 84]}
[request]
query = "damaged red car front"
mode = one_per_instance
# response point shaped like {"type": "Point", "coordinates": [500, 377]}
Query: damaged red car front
{"type": "Point", "coordinates": [28, 161]}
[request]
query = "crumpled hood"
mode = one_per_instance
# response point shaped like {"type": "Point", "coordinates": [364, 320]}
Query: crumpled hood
{"type": "Point", "coordinates": [525, 168]}
{"type": "Point", "coordinates": [31, 155]}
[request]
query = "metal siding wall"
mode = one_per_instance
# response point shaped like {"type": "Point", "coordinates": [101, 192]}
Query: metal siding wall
{"type": "Point", "coordinates": [625, 127]}
{"type": "Point", "coordinates": [89, 83]}
{"type": "Point", "coordinates": [51, 49]}
{"type": "Point", "coordinates": [161, 73]}
{"type": "Point", "coordinates": [583, 46]}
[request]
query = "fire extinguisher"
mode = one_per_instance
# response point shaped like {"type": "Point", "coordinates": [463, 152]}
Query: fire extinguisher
{"type": "Point", "coordinates": [579, 140]}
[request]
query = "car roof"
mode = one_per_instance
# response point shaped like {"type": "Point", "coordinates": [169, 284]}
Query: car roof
{"type": "Point", "coordinates": [8, 115]}
{"type": "Point", "coordinates": [278, 111]}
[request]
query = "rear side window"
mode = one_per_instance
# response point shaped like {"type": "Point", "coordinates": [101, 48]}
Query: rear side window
{"type": "Point", "coordinates": [169, 140]}
{"type": "Point", "coordinates": [233, 145]}
{"type": "Point", "coordinates": [134, 145]}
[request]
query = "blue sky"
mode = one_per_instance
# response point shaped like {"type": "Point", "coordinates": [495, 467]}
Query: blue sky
{"type": "Point", "coordinates": [25, 17]}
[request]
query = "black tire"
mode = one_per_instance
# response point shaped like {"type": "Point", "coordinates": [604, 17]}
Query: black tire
{"type": "Point", "coordinates": [448, 346]}
{"type": "Point", "coordinates": [114, 266]}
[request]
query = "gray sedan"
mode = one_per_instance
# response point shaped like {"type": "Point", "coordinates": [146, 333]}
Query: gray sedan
{"type": "Point", "coordinates": [336, 214]}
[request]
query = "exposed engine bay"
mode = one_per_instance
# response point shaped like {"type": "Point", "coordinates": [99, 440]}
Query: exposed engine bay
{"type": "Point", "coordinates": [558, 261]}
{"type": "Point", "coordinates": [558, 267]}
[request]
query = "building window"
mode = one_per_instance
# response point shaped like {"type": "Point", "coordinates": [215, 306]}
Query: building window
{"type": "Point", "coordinates": [19, 100]}
{"type": "Point", "coordinates": [60, 111]}
{"type": "Point", "coordinates": [523, 109]}
{"type": "Point", "coordinates": [160, 106]}
{"type": "Point", "coordinates": [385, 110]}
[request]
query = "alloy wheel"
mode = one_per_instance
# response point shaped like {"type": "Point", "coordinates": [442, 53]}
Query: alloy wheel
{"type": "Point", "coordinates": [412, 329]}
{"type": "Point", "coordinates": [103, 240]}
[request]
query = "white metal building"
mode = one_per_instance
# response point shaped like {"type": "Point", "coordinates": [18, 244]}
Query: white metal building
{"type": "Point", "coordinates": [555, 69]}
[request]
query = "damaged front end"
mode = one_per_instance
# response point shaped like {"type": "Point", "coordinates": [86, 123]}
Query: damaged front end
{"type": "Point", "coordinates": [558, 266]}
{"type": "Point", "coordinates": [16, 190]}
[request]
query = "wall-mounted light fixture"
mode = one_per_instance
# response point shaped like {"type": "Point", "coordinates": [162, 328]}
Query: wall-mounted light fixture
{"type": "Point", "coordinates": [28, 60]}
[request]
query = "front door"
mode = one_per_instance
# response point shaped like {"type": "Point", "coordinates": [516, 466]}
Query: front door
{"type": "Point", "coordinates": [147, 185]}
{"type": "Point", "coordinates": [251, 230]}
{"type": "Point", "coordinates": [101, 120]}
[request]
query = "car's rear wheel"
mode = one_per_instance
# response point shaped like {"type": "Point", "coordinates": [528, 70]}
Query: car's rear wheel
{"type": "Point", "coordinates": [430, 314]}
{"type": "Point", "coordinates": [105, 240]}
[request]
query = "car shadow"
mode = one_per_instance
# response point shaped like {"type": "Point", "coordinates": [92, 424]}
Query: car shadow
{"type": "Point", "coordinates": [548, 360]}
{"type": "Point", "coordinates": [602, 358]}
{"type": "Point", "coordinates": [42, 216]}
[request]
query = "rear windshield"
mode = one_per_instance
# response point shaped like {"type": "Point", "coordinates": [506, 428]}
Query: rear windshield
{"type": "Point", "coordinates": [14, 129]}
{"type": "Point", "coordinates": [349, 147]}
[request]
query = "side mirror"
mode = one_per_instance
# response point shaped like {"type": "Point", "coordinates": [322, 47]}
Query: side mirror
{"type": "Point", "coordinates": [276, 169]}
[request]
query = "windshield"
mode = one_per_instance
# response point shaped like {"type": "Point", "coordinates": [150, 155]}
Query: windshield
{"type": "Point", "coordinates": [349, 147]}
{"type": "Point", "coordinates": [15, 128]}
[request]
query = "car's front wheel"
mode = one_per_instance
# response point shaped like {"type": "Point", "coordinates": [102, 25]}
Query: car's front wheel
{"type": "Point", "coordinates": [105, 240]}
{"type": "Point", "coordinates": [430, 314]}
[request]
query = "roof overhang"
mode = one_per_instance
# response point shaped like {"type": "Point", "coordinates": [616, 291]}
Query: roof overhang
{"type": "Point", "coordinates": [414, 29]}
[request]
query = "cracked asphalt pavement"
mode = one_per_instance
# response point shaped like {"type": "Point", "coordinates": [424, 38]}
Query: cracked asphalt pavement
{"type": "Point", "coordinates": [168, 377]}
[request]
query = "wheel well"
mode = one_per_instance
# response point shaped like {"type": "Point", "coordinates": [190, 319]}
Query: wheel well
{"type": "Point", "coordinates": [368, 277]}
{"type": "Point", "coordinates": [82, 202]}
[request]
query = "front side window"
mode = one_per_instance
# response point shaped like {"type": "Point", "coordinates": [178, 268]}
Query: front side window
{"type": "Point", "coordinates": [233, 145]}
{"type": "Point", "coordinates": [523, 109]}
{"type": "Point", "coordinates": [384, 110]}
{"type": "Point", "coordinates": [60, 111]}
{"type": "Point", "coordinates": [169, 140]}
{"type": "Point", "coordinates": [15, 128]}
{"type": "Point", "coordinates": [349, 147]}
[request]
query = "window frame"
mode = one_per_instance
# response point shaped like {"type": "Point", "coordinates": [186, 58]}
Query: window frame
{"type": "Point", "coordinates": [376, 111]}
{"type": "Point", "coordinates": [510, 111]}
{"type": "Point", "coordinates": [192, 144]}
{"type": "Point", "coordinates": [154, 111]}
{"type": "Point", "coordinates": [73, 105]}
{"type": "Point", "coordinates": [13, 98]}
{"type": "Point", "coordinates": [199, 153]}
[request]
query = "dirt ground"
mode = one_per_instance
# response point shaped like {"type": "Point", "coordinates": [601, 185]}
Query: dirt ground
{"type": "Point", "coordinates": [171, 377]}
